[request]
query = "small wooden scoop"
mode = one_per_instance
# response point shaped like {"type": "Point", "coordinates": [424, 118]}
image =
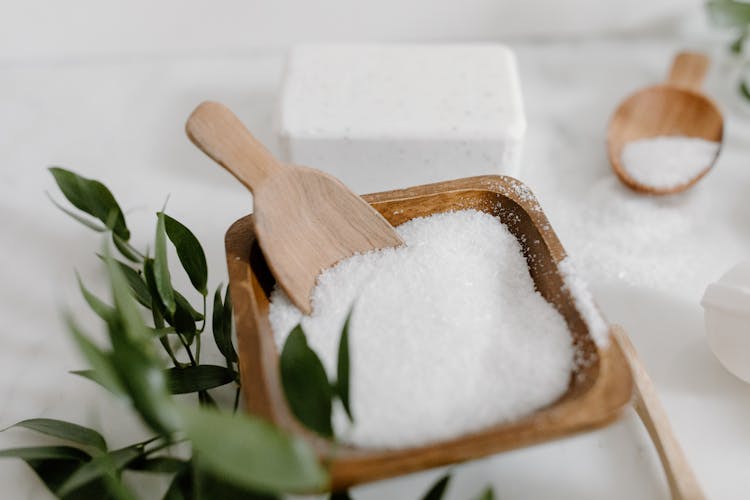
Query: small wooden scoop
{"type": "Point", "coordinates": [675, 107]}
{"type": "Point", "coordinates": [305, 220]}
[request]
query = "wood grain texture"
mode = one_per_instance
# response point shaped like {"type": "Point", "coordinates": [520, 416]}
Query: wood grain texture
{"type": "Point", "coordinates": [674, 108]}
{"type": "Point", "coordinates": [304, 220]}
{"type": "Point", "coordinates": [598, 390]}
{"type": "Point", "coordinates": [688, 70]}
{"type": "Point", "coordinates": [683, 483]}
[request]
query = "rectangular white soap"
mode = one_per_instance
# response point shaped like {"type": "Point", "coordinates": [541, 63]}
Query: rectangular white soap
{"type": "Point", "coordinates": [390, 116]}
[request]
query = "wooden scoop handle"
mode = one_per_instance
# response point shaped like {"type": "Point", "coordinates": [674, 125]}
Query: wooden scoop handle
{"type": "Point", "coordinates": [682, 481]}
{"type": "Point", "coordinates": [222, 136]}
{"type": "Point", "coordinates": [688, 70]}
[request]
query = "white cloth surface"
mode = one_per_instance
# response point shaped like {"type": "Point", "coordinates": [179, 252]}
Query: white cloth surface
{"type": "Point", "coordinates": [51, 30]}
{"type": "Point", "coordinates": [121, 121]}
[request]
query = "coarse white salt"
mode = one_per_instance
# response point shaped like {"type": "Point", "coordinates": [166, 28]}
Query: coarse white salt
{"type": "Point", "coordinates": [668, 161]}
{"type": "Point", "coordinates": [584, 301]}
{"type": "Point", "coordinates": [659, 242]}
{"type": "Point", "coordinates": [448, 334]}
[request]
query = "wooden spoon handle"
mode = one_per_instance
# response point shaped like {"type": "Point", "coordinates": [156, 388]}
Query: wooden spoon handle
{"type": "Point", "coordinates": [682, 481]}
{"type": "Point", "coordinates": [688, 70]}
{"type": "Point", "coordinates": [222, 136]}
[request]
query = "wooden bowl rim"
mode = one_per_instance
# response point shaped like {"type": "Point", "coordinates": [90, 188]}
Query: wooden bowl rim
{"type": "Point", "coordinates": [599, 405]}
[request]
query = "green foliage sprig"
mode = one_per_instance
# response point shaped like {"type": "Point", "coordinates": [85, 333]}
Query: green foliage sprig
{"type": "Point", "coordinates": [231, 455]}
{"type": "Point", "coordinates": [309, 393]}
{"type": "Point", "coordinates": [734, 15]}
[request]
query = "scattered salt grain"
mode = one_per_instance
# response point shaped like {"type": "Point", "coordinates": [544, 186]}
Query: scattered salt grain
{"type": "Point", "coordinates": [663, 243]}
{"type": "Point", "coordinates": [448, 334]}
{"type": "Point", "coordinates": [668, 161]}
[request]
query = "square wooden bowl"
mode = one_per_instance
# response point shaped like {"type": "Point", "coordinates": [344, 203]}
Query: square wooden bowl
{"type": "Point", "coordinates": [598, 390]}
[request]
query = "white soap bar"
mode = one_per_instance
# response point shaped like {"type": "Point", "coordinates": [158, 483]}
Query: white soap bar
{"type": "Point", "coordinates": [390, 116]}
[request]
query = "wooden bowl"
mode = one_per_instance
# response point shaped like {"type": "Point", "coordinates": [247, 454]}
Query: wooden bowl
{"type": "Point", "coordinates": [597, 392]}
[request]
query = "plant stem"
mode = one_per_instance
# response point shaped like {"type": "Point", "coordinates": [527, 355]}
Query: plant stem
{"type": "Point", "coordinates": [236, 399]}
{"type": "Point", "coordinates": [199, 333]}
{"type": "Point", "coordinates": [159, 323]}
{"type": "Point", "coordinates": [187, 349]}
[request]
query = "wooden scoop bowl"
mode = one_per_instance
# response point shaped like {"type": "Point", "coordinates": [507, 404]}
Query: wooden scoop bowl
{"type": "Point", "coordinates": [675, 107]}
{"type": "Point", "coordinates": [305, 219]}
{"type": "Point", "coordinates": [597, 393]}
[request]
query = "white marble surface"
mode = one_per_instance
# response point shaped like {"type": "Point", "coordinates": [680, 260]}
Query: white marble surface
{"type": "Point", "coordinates": [121, 120]}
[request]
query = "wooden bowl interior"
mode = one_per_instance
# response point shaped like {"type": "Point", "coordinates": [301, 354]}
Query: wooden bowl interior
{"type": "Point", "coordinates": [663, 110]}
{"type": "Point", "coordinates": [541, 263]}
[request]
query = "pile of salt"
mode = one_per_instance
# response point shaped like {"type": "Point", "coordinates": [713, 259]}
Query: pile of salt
{"type": "Point", "coordinates": [668, 161]}
{"type": "Point", "coordinates": [448, 333]}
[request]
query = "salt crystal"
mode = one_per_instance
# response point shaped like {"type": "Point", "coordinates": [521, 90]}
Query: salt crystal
{"type": "Point", "coordinates": [657, 242]}
{"type": "Point", "coordinates": [448, 334]}
{"type": "Point", "coordinates": [584, 302]}
{"type": "Point", "coordinates": [668, 161]}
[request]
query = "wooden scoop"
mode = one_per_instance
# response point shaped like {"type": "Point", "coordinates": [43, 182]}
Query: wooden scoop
{"type": "Point", "coordinates": [675, 107]}
{"type": "Point", "coordinates": [683, 485]}
{"type": "Point", "coordinates": [305, 220]}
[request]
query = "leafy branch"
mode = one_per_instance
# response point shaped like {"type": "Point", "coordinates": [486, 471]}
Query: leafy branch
{"type": "Point", "coordinates": [231, 455]}
{"type": "Point", "coordinates": [734, 15]}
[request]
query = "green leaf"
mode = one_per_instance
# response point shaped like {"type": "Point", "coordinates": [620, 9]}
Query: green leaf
{"type": "Point", "coordinates": [342, 370]}
{"type": "Point", "coordinates": [136, 281]}
{"type": "Point", "coordinates": [339, 495]}
{"type": "Point", "coordinates": [54, 472]}
{"type": "Point", "coordinates": [126, 250]}
{"type": "Point", "coordinates": [221, 330]}
{"type": "Point", "coordinates": [161, 332]}
{"type": "Point", "coordinates": [162, 277]}
{"type": "Point", "coordinates": [211, 486]}
{"type": "Point", "coordinates": [105, 465]}
{"type": "Point", "coordinates": [487, 494]}
{"type": "Point", "coordinates": [64, 430]}
{"type": "Point", "coordinates": [189, 251]}
{"type": "Point", "coordinates": [192, 484]}
{"type": "Point", "coordinates": [228, 323]}
{"type": "Point", "coordinates": [83, 220]}
{"type": "Point", "coordinates": [150, 277]}
{"type": "Point", "coordinates": [113, 485]}
{"type": "Point", "coordinates": [739, 42]}
{"type": "Point", "coordinates": [188, 379]}
{"type": "Point", "coordinates": [729, 13]}
{"type": "Point", "coordinates": [745, 89]}
{"type": "Point", "coordinates": [92, 197]}
{"type": "Point", "coordinates": [102, 370]}
{"type": "Point", "coordinates": [45, 452]}
{"type": "Point", "coordinates": [437, 490]}
{"type": "Point", "coordinates": [182, 302]}
{"type": "Point", "coordinates": [305, 384]}
{"type": "Point", "coordinates": [127, 312]}
{"type": "Point", "coordinates": [161, 465]}
{"type": "Point", "coordinates": [250, 453]}
{"type": "Point", "coordinates": [101, 309]}
{"type": "Point", "coordinates": [146, 384]}
{"type": "Point", "coordinates": [90, 375]}
{"type": "Point", "coordinates": [134, 358]}
{"type": "Point", "coordinates": [184, 317]}
{"type": "Point", "coordinates": [181, 487]}
{"type": "Point", "coordinates": [137, 285]}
